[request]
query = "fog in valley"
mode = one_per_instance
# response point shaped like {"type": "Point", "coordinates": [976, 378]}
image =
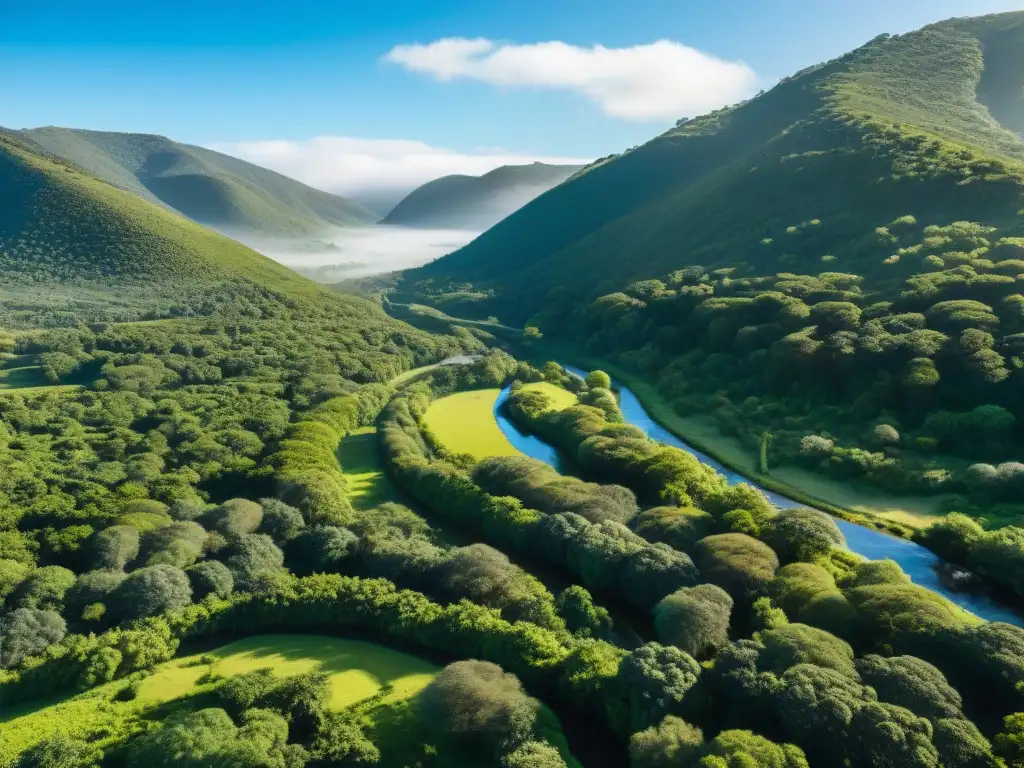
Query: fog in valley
{"type": "Point", "coordinates": [359, 251]}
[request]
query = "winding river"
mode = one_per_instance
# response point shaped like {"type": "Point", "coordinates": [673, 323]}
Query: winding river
{"type": "Point", "coordinates": [923, 566]}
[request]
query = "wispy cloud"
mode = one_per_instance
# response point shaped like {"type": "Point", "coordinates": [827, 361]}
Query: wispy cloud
{"type": "Point", "coordinates": [660, 80]}
{"type": "Point", "coordinates": [346, 165]}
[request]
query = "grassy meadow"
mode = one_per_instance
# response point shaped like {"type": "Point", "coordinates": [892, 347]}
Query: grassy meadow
{"type": "Point", "coordinates": [368, 483]}
{"type": "Point", "coordinates": [464, 423]}
{"type": "Point", "coordinates": [358, 671]}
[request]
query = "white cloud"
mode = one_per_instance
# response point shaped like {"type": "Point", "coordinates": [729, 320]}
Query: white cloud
{"type": "Point", "coordinates": [660, 80]}
{"type": "Point", "coordinates": [347, 165]}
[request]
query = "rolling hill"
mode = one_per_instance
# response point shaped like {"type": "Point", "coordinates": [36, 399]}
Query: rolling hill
{"type": "Point", "coordinates": [75, 249]}
{"type": "Point", "coordinates": [840, 252]}
{"type": "Point", "coordinates": [208, 187]}
{"type": "Point", "coordinates": [902, 125]}
{"type": "Point", "coordinates": [476, 202]}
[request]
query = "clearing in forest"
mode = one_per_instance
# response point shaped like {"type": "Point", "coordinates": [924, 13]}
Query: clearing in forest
{"type": "Point", "coordinates": [360, 460]}
{"type": "Point", "coordinates": [357, 669]}
{"type": "Point", "coordinates": [464, 423]}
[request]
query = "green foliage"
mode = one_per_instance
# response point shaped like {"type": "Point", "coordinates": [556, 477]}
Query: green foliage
{"type": "Point", "coordinates": [911, 683]}
{"type": "Point", "coordinates": [478, 703]}
{"type": "Point", "coordinates": [235, 517]}
{"type": "Point", "coordinates": [658, 678]}
{"type": "Point", "coordinates": [60, 752]}
{"type": "Point", "coordinates": [115, 547]}
{"type": "Point", "coordinates": [695, 619]}
{"type": "Point", "coordinates": [151, 591]}
{"type": "Point", "coordinates": [533, 754]}
{"type": "Point", "coordinates": [802, 534]}
{"type": "Point", "coordinates": [27, 631]}
{"type": "Point", "coordinates": [209, 737]}
{"type": "Point", "coordinates": [737, 563]}
{"type": "Point", "coordinates": [582, 617]}
{"type": "Point", "coordinates": [210, 577]}
{"type": "Point", "coordinates": [672, 742]}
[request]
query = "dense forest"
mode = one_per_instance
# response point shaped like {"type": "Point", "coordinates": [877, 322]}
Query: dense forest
{"type": "Point", "coordinates": [835, 262]}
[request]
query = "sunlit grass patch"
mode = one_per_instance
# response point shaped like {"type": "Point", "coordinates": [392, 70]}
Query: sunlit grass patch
{"type": "Point", "coordinates": [464, 423]}
{"type": "Point", "coordinates": [368, 484]}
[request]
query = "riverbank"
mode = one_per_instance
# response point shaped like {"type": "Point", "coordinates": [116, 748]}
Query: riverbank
{"type": "Point", "coordinates": [898, 515]}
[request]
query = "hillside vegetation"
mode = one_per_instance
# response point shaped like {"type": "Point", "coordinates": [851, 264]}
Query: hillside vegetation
{"type": "Point", "coordinates": [837, 261]}
{"type": "Point", "coordinates": [207, 186]}
{"type": "Point", "coordinates": [476, 202]}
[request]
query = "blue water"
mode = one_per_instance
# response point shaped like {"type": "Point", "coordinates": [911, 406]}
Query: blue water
{"type": "Point", "coordinates": [917, 562]}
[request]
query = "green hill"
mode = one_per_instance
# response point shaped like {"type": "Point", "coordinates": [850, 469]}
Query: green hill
{"type": "Point", "coordinates": [476, 202]}
{"type": "Point", "coordinates": [840, 251]}
{"type": "Point", "coordinates": [208, 187]}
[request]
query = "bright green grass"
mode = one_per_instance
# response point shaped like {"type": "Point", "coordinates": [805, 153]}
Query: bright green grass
{"type": "Point", "coordinates": [412, 373]}
{"type": "Point", "coordinates": [368, 483]}
{"type": "Point", "coordinates": [358, 670]}
{"type": "Point", "coordinates": [559, 398]}
{"type": "Point", "coordinates": [464, 423]}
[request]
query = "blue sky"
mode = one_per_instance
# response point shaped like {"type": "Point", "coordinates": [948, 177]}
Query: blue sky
{"type": "Point", "coordinates": [223, 72]}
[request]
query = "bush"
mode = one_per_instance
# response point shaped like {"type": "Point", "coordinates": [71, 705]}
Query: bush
{"type": "Point", "coordinates": [151, 591]}
{"type": "Point", "coordinates": [657, 678]}
{"type": "Point", "coordinates": [115, 547]}
{"type": "Point", "coordinates": [91, 588]}
{"type": "Point", "coordinates": [695, 619]}
{"type": "Point", "coordinates": [533, 754]}
{"type": "Point", "coordinates": [235, 517]}
{"type": "Point", "coordinates": [44, 588]}
{"type": "Point", "coordinates": [254, 556]}
{"type": "Point", "coordinates": [210, 577]}
{"type": "Point", "coordinates": [672, 742]}
{"type": "Point", "coordinates": [911, 683]}
{"type": "Point", "coordinates": [26, 632]}
{"type": "Point", "coordinates": [582, 617]}
{"type": "Point", "coordinates": [60, 751]}
{"type": "Point", "coordinates": [321, 549]}
{"type": "Point", "coordinates": [479, 704]}
{"type": "Point", "coordinates": [793, 644]}
{"type": "Point", "coordinates": [802, 534]}
{"type": "Point", "coordinates": [739, 564]}
{"type": "Point", "coordinates": [280, 521]}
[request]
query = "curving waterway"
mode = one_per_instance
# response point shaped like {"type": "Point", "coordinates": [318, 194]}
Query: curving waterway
{"type": "Point", "coordinates": [921, 564]}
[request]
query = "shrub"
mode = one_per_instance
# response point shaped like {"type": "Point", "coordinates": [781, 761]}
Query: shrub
{"type": "Point", "coordinates": [695, 619]}
{"type": "Point", "coordinates": [235, 517]}
{"type": "Point", "coordinates": [672, 742]}
{"type": "Point", "coordinates": [26, 632]}
{"type": "Point", "coordinates": [115, 547]}
{"type": "Point", "coordinates": [479, 704]}
{"type": "Point", "coordinates": [151, 591]}
{"type": "Point", "coordinates": [802, 534]}
{"type": "Point", "coordinates": [210, 577]}
{"type": "Point", "coordinates": [739, 564]}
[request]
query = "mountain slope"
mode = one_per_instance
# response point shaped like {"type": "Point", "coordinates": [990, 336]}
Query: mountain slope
{"type": "Point", "coordinates": [843, 251]}
{"type": "Point", "coordinates": [476, 202]}
{"type": "Point", "coordinates": [713, 183]}
{"type": "Point", "coordinates": [74, 248]}
{"type": "Point", "coordinates": [208, 187]}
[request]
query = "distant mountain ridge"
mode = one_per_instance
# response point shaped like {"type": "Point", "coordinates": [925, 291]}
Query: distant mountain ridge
{"type": "Point", "coordinates": [477, 202]}
{"type": "Point", "coordinates": [206, 186]}
{"type": "Point", "coordinates": [943, 106]}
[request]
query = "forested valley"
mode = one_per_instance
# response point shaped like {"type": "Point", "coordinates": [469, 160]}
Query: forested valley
{"type": "Point", "coordinates": [246, 520]}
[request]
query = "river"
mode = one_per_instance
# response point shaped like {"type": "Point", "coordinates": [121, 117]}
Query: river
{"type": "Point", "coordinates": [922, 565]}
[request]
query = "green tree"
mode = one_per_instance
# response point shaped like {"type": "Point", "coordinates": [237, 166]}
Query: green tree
{"type": "Point", "coordinates": [479, 704]}
{"type": "Point", "coordinates": [151, 591]}
{"type": "Point", "coordinates": [695, 619]}
{"type": "Point", "coordinates": [26, 632]}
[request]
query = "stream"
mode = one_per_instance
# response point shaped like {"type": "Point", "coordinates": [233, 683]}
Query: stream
{"type": "Point", "coordinates": [924, 567]}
